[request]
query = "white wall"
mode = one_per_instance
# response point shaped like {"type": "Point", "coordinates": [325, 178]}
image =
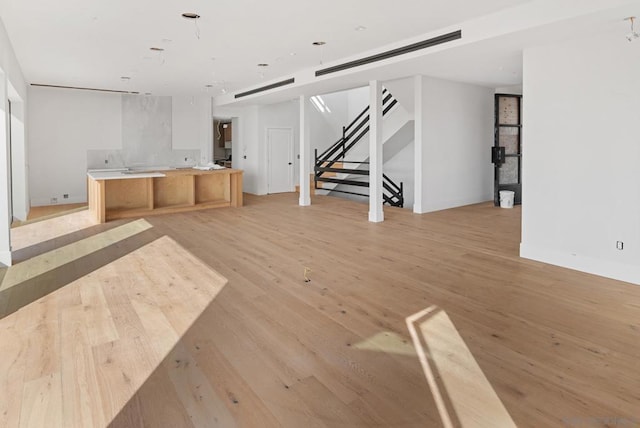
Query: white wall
{"type": "Point", "coordinates": [403, 91]}
{"type": "Point", "coordinates": [251, 156]}
{"type": "Point", "coordinates": [460, 134]}
{"type": "Point", "coordinates": [10, 76]}
{"type": "Point", "coordinates": [400, 169]}
{"type": "Point", "coordinates": [67, 127]}
{"type": "Point", "coordinates": [250, 140]}
{"type": "Point", "coordinates": [326, 129]}
{"type": "Point", "coordinates": [357, 100]}
{"type": "Point", "coordinates": [321, 132]}
{"type": "Point", "coordinates": [514, 90]}
{"type": "Point", "coordinates": [338, 104]}
{"type": "Point", "coordinates": [19, 180]}
{"type": "Point", "coordinates": [63, 125]}
{"type": "Point", "coordinates": [581, 151]}
{"type": "Point", "coordinates": [5, 188]}
{"type": "Point", "coordinates": [457, 137]}
{"type": "Point", "coordinates": [192, 125]}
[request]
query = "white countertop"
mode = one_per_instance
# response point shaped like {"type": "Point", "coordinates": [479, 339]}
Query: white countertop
{"type": "Point", "coordinates": [122, 174]}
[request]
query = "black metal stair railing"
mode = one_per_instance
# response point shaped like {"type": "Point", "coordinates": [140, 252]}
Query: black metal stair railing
{"type": "Point", "coordinates": [357, 129]}
{"type": "Point", "coordinates": [336, 153]}
{"type": "Point", "coordinates": [393, 193]}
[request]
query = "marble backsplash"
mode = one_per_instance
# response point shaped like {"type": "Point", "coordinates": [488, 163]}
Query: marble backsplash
{"type": "Point", "coordinates": [146, 137]}
{"type": "Point", "coordinates": [99, 159]}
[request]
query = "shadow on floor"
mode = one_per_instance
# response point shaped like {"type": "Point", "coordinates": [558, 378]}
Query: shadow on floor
{"type": "Point", "coordinates": [23, 293]}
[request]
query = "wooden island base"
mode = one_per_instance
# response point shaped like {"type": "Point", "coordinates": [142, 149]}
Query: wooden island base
{"type": "Point", "coordinates": [116, 195]}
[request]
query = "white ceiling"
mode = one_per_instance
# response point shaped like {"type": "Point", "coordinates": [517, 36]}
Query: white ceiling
{"type": "Point", "coordinates": [493, 60]}
{"type": "Point", "coordinates": [92, 43]}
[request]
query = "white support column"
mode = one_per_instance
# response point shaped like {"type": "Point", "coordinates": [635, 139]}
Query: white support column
{"type": "Point", "coordinates": [305, 153]}
{"type": "Point", "coordinates": [419, 162]}
{"type": "Point", "coordinates": [5, 195]}
{"type": "Point", "coordinates": [376, 213]}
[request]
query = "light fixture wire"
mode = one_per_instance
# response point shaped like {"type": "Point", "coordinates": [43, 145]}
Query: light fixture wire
{"type": "Point", "coordinates": [195, 21]}
{"type": "Point", "coordinates": [633, 35]}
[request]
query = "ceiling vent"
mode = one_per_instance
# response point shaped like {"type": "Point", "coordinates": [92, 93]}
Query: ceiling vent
{"type": "Point", "coordinates": [434, 41]}
{"type": "Point", "coordinates": [265, 88]}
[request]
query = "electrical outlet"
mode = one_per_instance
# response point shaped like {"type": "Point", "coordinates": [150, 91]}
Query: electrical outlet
{"type": "Point", "coordinates": [65, 196]}
{"type": "Point", "coordinates": [54, 200]}
{"type": "Point", "coordinates": [106, 161]}
{"type": "Point", "coordinates": [619, 245]}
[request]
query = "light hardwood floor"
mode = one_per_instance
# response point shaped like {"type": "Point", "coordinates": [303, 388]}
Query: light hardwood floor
{"type": "Point", "coordinates": [204, 319]}
{"type": "Point", "coordinates": [49, 211]}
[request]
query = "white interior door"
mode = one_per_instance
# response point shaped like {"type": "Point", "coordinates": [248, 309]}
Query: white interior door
{"type": "Point", "coordinates": [280, 160]}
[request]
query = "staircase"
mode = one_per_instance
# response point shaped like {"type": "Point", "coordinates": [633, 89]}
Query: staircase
{"type": "Point", "coordinates": [330, 167]}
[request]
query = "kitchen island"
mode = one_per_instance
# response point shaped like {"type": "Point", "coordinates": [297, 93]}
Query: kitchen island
{"type": "Point", "coordinates": [115, 194]}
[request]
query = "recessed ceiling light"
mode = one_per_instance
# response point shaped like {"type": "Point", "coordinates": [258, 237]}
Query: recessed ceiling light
{"type": "Point", "coordinates": [319, 43]}
{"type": "Point", "coordinates": [360, 28]}
{"type": "Point", "coordinates": [292, 54]}
{"type": "Point", "coordinates": [208, 86]}
{"type": "Point", "coordinates": [190, 15]}
{"type": "Point", "coordinates": [147, 93]}
{"type": "Point", "coordinates": [262, 64]}
{"type": "Point", "coordinates": [125, 78]}
{"type": "Point", "coordinates": [156, 49]}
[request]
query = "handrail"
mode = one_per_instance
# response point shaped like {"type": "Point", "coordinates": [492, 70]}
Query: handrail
{"type": "Point", "coordinates": [336, 153]}
{"type": "Point", "coordinates": [350, 193]}
{"type": "Point", "coordinates": [321, 161]}
{"type": "Point", "coordinates": [387, 99]}
{"type": "Point", "coordinates": [384, 177]}
{"type": "Point", "coordinates": [342, 181]}
{"type": "Point", "coordinates": [331, 162]}
{"type": "Point", "coordinates": [344, 170]}
{"type": "Point", "coordinates": [366, 109]}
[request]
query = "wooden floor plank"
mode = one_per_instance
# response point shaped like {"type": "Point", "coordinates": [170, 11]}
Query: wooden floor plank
{"type": "Point", "coordinates": [205, 319]}
{"type": "Point", "coordinates": [42, 402]}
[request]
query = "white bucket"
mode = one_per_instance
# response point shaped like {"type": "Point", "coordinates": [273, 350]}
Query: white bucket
{"type": "Point", "coordinates": [506, 198]}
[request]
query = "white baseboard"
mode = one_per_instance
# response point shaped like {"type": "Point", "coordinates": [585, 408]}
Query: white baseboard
{"type": "Point", "coordinates": [5, 258]}
{"type": "Point", "coordinates": [21, 216]}
{"type": "Point", "coordinates": [451, 203]}
{"type": "Point", "coordinates": [613, 270]}
{"type": "Point", "coordinates": [71, 200]}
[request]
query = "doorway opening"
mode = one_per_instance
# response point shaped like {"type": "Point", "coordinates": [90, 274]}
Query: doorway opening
{"type": "Point", "coordinates": [223, 131]}
{"type": "Point", "coordinates": [506, 153]}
